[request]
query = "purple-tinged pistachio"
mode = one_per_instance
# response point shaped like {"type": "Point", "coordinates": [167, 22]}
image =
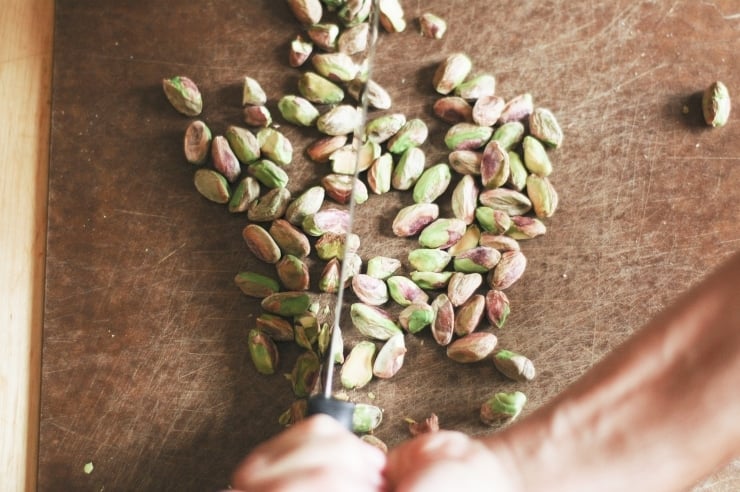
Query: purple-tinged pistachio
{"type": "Point", "coordinates": [543, 196]}
{"type": "Point", "coordinates": [502, 407]}
{"type": "Point", "coordinates": [510, 201]}
{"type": "Point", "coordinates": [494, 167]}
{"type": "Point", "coordinates": [326, 220]}
{"type": "Point", "coordinates": [514, 366]}
{"type": "Point", "coordinates": [305, 374]}
{"type": "Point", "coordinates": [263, 352]}
{"type": "Point", "coordinates": [256, 285]}
{"type": "Point", "coordinates": [379, 174]}
{"type": "Point", "coordinates": [443, 325]}
{"type": "Point", "coordinates": [293, 273]}
{"type": "Point", "coordinates": [339, 187]}
{"type": "Point", "coordinates": [469, 315]}
{"type": "Point", "coordinates": [268, 173]}
{"type": "Point", "coordinates": [442, 233]}
{"type": "Point", "coordinates": [524, 227]}
{"type": "Point", "coordinates": [260, 243]}
{"type": "Point", "coordinates": [509, 134]}
{"type": "Point", "coordinates": [354, 39]}
{"type": "Point", "coordinates": [429, 260]}
{"type": "Point", "coordinates": [288, 303]}
{"type": "Point", "coordinates": [517, 108]}
{"type": "Point", "coordinates": [716, 105]}
{"type": "Point", "coordinates": [340, 120]}
{"type": "Point", "coordinates": [252, 93]}
{"type": "Point", "coordinates": [497, 307]}
{"type": "Point", "coordinates": [382, 267]}
{"type": "Point", "coordinates": [472, 348]}
{"type": "Point", "coordinates": [366, 418]}
{"type": "Point", "coordinates": [294, 414]}
{"type": "Point", "coordinates": [183, 94]}
{"type": "Point", "coordinates": [462, 286]}
{"type": "Point", "coordinates": [465, 161]}
{"type": "Point", "coordinates": [306, 330]}
{"type": "Point", "coordinates": [338, 67]}
{"type": "Point", "coordinates": [453, 110]}
{"type": "Point", "coordinates": [307, 12]}
{"type": "Point", "coordinates": [243, 143]}
{"type": "Point", "coordinates": [469, 240]}
{"type": "Point", "coordinates": [290, 239]}
{"type": "Point", "coordinates": [329, 279]}
{"type": "Point", "coordinates": [432, 183]}
{"type": "Point", "coordinates": [270, 206]}
{"type": "Point", "coordinates": [275, 146]}
{"type": "Point", "coordinates": [370, 290]}
{"type": "Point", "coordinates": [412, 219]}
{"type": "Point", "coordinates": [487, 110]}
{"type": "Point", "coordinates": [375, 442]}
{"type": "Point", "coordinates": [493, 221]}
{"type": "Point", "coordinates": [392, 17]}
{"type": "Point", "coordinates": [308, 203]}
{"type": "Point", "coordinates": [499, 241]}
{"type": "Point", "coordinates": [197, 142]}
{"type": "Point", "coordinates": [212, 185]}
{"type": "Point", "coordinates": [382, 128]}
{"type": "Point", "coordinates": [465, 199]}
{"type": "Point", "coordinates": [373, 322]}
{"type": "Point", "coordinates": [410, 166]}
{"type": "Point", "coordinates": [517, 172]}
{"type": "Point", "coordinates": [467, 136]}
{"type": "Point", "coordinates": [415, 317]}
{"type": "Point", "coordinates": [404, 291]}
{"type": "Point", "coordinates": [320, 150]}
{"type": "Point", "coordinates": [257, 116]}
{"type": "Point", "coordinates": [375, 94]}
{"type": "Point", "coordinates": [390, 357]}
{"type": "Point", "coordinates": [412, 134]}
{"type": "Point", "coordinates": [319, 90]}
{"type": "Point", "coordinates": [224, 160]}
{"type": "Point", "coordinates": [431, 280]}
{"type": "Point", "coordinates": [478, 87]}
{"type": "Point", "coordinates": [432, 26]}
{"type": "Point", "coordinates": [544, 127]}
{"type": "Point", "coordinates": [298, 110]}
{"type": "Point", "coordinates": [357, 369]}
{"type": "Point", "coordinates": [324, 35]}
{"type": "Point", "coordinates": [299, 52]}
{"type": "Point", "coordinates": [509, 269]}
{"type": "Point", "coordinates": [451, 73]}
{"type": "Point", "coordinates": [275, 327]}
{"type": "Point", "coordinates": [332, 245]}
{"type": "Point", "coordinates": [536, 159]}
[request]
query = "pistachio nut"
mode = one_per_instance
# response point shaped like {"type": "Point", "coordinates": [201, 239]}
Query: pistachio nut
{"type": "Point", "coordinates": [412, 134]}
{"type": "Point", "coordinates": [467, 136]}
{"type": "Point", "coordinates": [392, 17]}
{"type": "Point", "coordinates": [294, 414]}
{"type": "Point", "coordinates": [502, 407]}
{"type": "Point", "coordinates": [411, 219]}
{"type": "Point", "coordinates": [453, 110]}
{"type": "Point", "coordinates": [268, 173]}
{"type": "Point", "coordinates": [293, 273]}
{"type": "Point", "coordinates": [357, 369]}
{"type": "Point", "coordinates": [291, 240]}
{"type": "Point", "coordinates": [509, 134]}
{"type": "Point", "coordinates": [536, 159]}
{"type": "Point", "coordinates": [354, 39]}
{"type": "Point", "coordinates": [525, 227]}
{"type": "Point", "coordinates": [494, 166]}
{"type": "Point", "coordinates": [544, 127]}
{"type": "Point", "coordinates": [212, 185]}
{"type": "Point", "coordinates": [465, 199]}
{"type": "Point", "coordinates": [339, 67]}
{"type": "Point", "coordinates": [383, 127]}
{"type": "Point", "coordinates": [451, 72]}
{"type": "Point", "coordinates": [261, 243]}
{"type": "Point", "coordinates": [410, 166]}
{"type": "Point", "coordinates": [415, 317]}
{"type": "Point", "coordinates": [252, 93]}
{"type": "Point", "coordinates": [371, 91]}
{"type": "Point", "coordinates": [390, 357]}
{"type": "Point", "coordinates": [327, 220]}
{"type": "Point", "coordinates": [298, 110]}
{"type": "Point", "coordinates": [432, 183]}
{"type": "Point", "coordinates": [462, 286]}
{"type": "Point", "coordinates": [493, 221]}
{"type": "Point", "coordinates": [430, 424]}
{"type": "Point", "coordinates": [370, 290]}
{"type": "Point", "coordinates": [197, 142]}
{"type": "Point", "coordinates": [288, 303]}
{"type": "Point", "coordinates": [373, 322]}
{"type": "Point", "coordinates": [270, 206]}
{"type": "Point", "coordinates": [443, 325]}
{"type": "Point", "coordinates": [243, 143]}
{"type": "Point", "coordinates": [306, 330]}
{"type": "Point", "coordinates": [432, 26]}
{"type": "Point", "coordinates": [183, 94]}
{"type": "Point", "coordinates": [469, 315]}
{"type": "Point", "coordinates": [429, 259]}
{"type": "Point", "coordinates": [517, 108]}
{"type": "Point", "coordinates": [258, 116]}
{"type": "Point", "coordinates": [442, 233]}
{"type": "Point", "coordinates": [509, 269]}
{"type": "Point", "coordinates": [497, 307]}
{"type": "Point", "coordinates": [355, 11]}
{"type": "Point", "coordinates": [307, 12]}
{"type": "Point", "coordinates": [340, 120]}
{"type": "Point", "coordinates": [324, 35]}
{"type": "Point", "coordinates": [499, 241]}
{"type": "Point", "coordinates": [224, 160]}
{"type": "Point", "coordinates": [275, 146]}
{"type": "Point", "coordinates": [333, 245]}
{"type": "Point", "coordinates": [379, 174]}
{"type": "Point", "coordinates": [277, 328]}
{"type": "Point", "coordinates": [382, 267]}
{"type": "Point", "coordinates": [716, 105]}
{"type": "Point", "coordinates": [366, 418]}
{"type": "Point", "coordinates": [263, 352]}
{"type": "Point", "coordinates": [543, 195]}
{"type": "Point", "coordinates": [340, 187]}
{"type": "Point", "coordinates": [319, 90]}
{"type": "Point", "coordinates": [487, 110]}
{"type": "Point", "coordinates": [472, 348]}
{"type": "Point", "coordinates": [510, 201]}
{"type": "Point", "coordinates": [404, 291]}
{"type": "Point", "coordinates": [299, 52]}
{"type": "Point", "coordinates": [468, 241]}
{"type": "Point", "coordinates": [256, 285]}
{"type": "Point", "coordinates": [514, 366]}
{"type": "Point", "coordinates": [305, 374]}
{"type": "Point", "coordinates": [465, 161]}
{"type": "Point", "coordinates": [308, 203]}
{"type": "Point", "coordinates": [329, 279]}
{"type": "Point", "coordinates": [431, 280]}
{"type": "Point", "coordinates": [517, 172]}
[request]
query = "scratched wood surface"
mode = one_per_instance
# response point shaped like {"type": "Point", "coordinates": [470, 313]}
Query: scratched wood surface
{"type": "Point", "coordinates": [145, 367]}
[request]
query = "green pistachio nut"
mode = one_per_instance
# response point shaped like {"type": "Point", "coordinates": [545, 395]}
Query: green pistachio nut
{"type": "Point", "coordinates": [252, 93]}
{"type": "Point", "coordinates": [276, 327]}
{"type": "Point", "coordinates": [536, 159]}
{"type": "Point", "coordinates": [255, 284]}
{"type": "Point", "coordinates": [291, 240]}
{"type": "Point", "coordinates": [287, 303]}
{"type": "Point", "coordinates": [467, 136]}
{"type": "Point", "coordinates": [462, 286]}
{"type": "Point", "coordinates": [409, 168]}
{"type": "Point", "coordinates": [404, 291]}
{"type": "Point", "coordinates": [298, 110]}
{"type": "Point", "coordinates": [382, 267]}
{"type": "Point", "coordinates": [390, 357]}
{"type": "Point", "coordinates": [224, 159]}
{"type": "Point", "coordinates": [429, 259]}
{"type": "Point", "coordinates": [543, 196]}
{"type": "Point", "coordinates": [183, 94]}
{"type": "Point", "coordinates": [307, 203]}
{"type": "Point", "coordinates": [246, 191]}
{"type": "Point", "coordinates": [381, 128]}
{"type": "Point", "coordinates": [379, 174]}
{"type": "Point", "coordinates": [469, 315]}
{"type": "Point", "coordinates": [412, 134]}
{"type": "Point", "coordinates": [545, 127]}
{"type": "Point", "coordinates": [514, 366]}
{"type": "Point", "coordinates": [472, 348]}
{"type": "Point", "coordinates": [432, 26]}
{"type": "Point", "coordinates": [338, 67]}
{"type": "Point", "coordinates": [357, 369]}
{"type": "Point", "coordinates": [416, 317]}
{"type": "Point", "coordinates": [442, 233]}
{"type": "Point", "coordinates": [373, 322]}
{"type": "Point", "coordinates": [305, 374]}
{"type": "Point", "coordinates": [497, 307]}
{"type": "Point", "coordinates": [340, 120]}
{"type": "Point", "coordinates": [451, 73]}
{"type": "Point", "coordinates": [275, 146]}
{"type": "Point", "coordinates": [293, 273]}
{"type": "Point", "coordinates": [502, 407]}
{"type": "Point", "coordinates": [431, 280]}
{"type": "Point", "coordinates": [306, 330]}
{"type": "Point", "coordinates": [509, 134]}
{"type": "Point", "coordinates": [517, 172]}
{"type": "Point", "coordinates": [319, 90]}
{"type": "Point", "coordinates": [510, 201]}
{"type": "Point", "coordinates": [432, 183]}
{"type": "Point", "coordinates": [270, 206]}
{"type": "Point", "coordinates": [212, 185]}
{"type": "Point", "coordinates": [443, 325]}
{"type": "Point", "coordinates": [263, 352]}
{"type": "Point", "coordinates": [370, 290]}
{"type": "Point", "coordinates": [509, 269]}
{"type": "Point", "coordinates": [366, 418]}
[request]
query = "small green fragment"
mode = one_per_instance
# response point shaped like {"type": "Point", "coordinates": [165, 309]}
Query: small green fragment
{"type": "Point", "coordinates": [88, 468]}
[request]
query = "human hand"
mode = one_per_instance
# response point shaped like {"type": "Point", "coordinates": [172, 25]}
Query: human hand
{"type": "Point", "coordinates": [316, 454]}
{"type": "Point", "coordinates": [445, 460]}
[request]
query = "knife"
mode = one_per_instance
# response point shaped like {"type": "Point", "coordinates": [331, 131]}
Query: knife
{"type": "Point", "coordinates": [324, 402]}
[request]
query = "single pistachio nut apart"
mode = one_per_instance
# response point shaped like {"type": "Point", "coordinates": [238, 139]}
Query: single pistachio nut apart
{"type": "Point", "coordinates": [514, 366]}
{"type": "Point", "coordinates": [432, 26]}
{"type": "Point", "coordinates": [197, 143]}
{"type": "Point", "coordinates": [306, 330]}
{"type": "Point", "coordinates": [443, 325]}
{"type": "Point", "coordinates": [509, 269]}
{"type": "Point", "coordinates": [543, 196]}
{"type": "Point", "coordinates": [354, 12]}
{"type": "Point", "coordinates": [183, 94]}
{"type": "Point", "coordinates": [472, 348]}
{"type": "Point", "coordinates": [288, 303]}
{"type": "Point", "coordinates": [255, 284]}
{"type": "Point", "coordinates": [382, 267]}
{"type": "Point", "coordinates": [375, 94]}
{"type": "Point", "coordinates": [390, 357]}
{"type": "Point", "coordinates": [252, 93]}
{"type": "Point", "coordinates": [451, 73]}
{"type": "Point", "coordinates": [224, 159]}
{"type": "Point", "coordinates": [415, 317]}
{"type": "Point", "coordinates": [357, 369]}
{"type": "Point", "coordinates": [502, 407]}
{"type": "Point", "coordinates": [453, 110]}
{"type": "Point", "coordinates": [261, 244]}
{"type": "Point", "coordinates": [340, 188]}
{"type": "Point", "coordinates": [544, 127]}
{"type": "Point", "coordinates": [404, 291]}
{"type": "Point", "coordinates": [465, 199]}
{"type": "Point", "coordinates": [263, 352]}
{"type": "Point", "coordinates": [373, 322]}
{"type": "Point", "coordinates": [497, 307]}
{"type": "Point", "coordinates": [715, 104]}
{"type": "Point", "coordinates": [366, 418]}
{"type": "Point", "coordinates": [469, 315]}
{"type": "Point", "coordinates": [212, 185]}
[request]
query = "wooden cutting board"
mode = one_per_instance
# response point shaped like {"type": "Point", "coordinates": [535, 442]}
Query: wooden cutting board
{"type": "Point", "coordinates": [145, 366]}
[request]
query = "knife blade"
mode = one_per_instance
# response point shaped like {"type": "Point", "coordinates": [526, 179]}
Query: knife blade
{"type": "Point", "coordinates": [324, 402]}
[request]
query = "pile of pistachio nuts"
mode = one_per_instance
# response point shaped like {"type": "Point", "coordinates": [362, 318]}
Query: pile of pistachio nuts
{"type": "Point", "coordinates": [498, 167]}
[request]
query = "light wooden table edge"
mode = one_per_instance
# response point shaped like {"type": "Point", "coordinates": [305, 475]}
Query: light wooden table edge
{"type": "Point", "coordinates": [26, 45]}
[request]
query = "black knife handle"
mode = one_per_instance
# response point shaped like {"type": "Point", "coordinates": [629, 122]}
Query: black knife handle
{"type": "Point", "coordinates": [342, 411]}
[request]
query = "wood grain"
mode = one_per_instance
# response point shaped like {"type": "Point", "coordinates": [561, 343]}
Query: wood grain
{"type": "Point", "coordinates": [25, 88]}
